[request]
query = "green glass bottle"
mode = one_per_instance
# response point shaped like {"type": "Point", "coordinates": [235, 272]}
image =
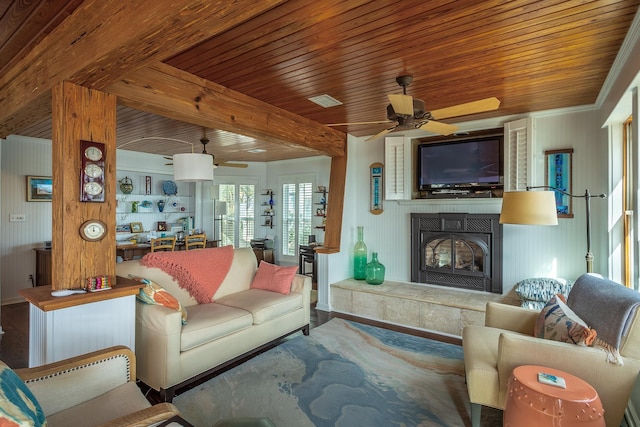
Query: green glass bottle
{"type": "Point", "coordinates": [374, 271]}
{"type": "Point", "coordinates": [360, 256]}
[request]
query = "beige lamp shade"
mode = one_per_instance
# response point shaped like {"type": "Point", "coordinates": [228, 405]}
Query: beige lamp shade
{"type": "Point", "coordinates": [192, 167]}
{"type": "Point", "coordinates": [529, 207]}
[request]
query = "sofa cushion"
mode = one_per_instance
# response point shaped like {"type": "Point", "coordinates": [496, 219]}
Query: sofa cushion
{"type": "Point", "coordinates": [208, 322]}
{"type": "Point", "coordinates": [263, 305]}
{"type": "Point", "coordinates": [18, 405]}
{"type": "Point", "coordinates": [154, 294]}
{"type": "Point", "coordinates": [120, 401]}
{"type": "Point", "coordinates": [274, 278]}
{"type": "Point", "coordinates": [558, 322]}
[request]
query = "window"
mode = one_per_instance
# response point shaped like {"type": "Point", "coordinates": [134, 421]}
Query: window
{"type": "Point", "coordinates": [238, 226]}
{"type": "Point", "coordinates": [297, 206]}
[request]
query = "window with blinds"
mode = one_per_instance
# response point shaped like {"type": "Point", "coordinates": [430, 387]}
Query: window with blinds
{"type": "Point", "coordinates": [238, 226]}
{"type": "Point", "coordinates": [297, 207]}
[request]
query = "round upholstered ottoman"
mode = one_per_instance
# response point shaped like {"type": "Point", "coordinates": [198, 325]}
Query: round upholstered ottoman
{"type": "Point", "coordinates": [531, 403]}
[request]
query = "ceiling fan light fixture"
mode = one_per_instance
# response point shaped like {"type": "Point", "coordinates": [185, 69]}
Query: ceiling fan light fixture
{"type": "Point", "coordinates": [192, 167]}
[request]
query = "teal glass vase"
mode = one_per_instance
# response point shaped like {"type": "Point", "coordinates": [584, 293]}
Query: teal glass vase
{"type": "Point", "coordinates": [360, 256]}
{"type": "Point", "coordinates": [374, 271]}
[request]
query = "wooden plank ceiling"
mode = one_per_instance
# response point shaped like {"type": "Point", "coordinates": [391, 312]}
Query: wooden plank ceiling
{"type": "Point", "coordinates": [530, 54]}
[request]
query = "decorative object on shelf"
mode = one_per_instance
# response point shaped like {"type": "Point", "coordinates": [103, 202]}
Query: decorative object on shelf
{"type": "Point", "coordinates": [123, 228]}
{"type": "Point", "coordinates": [539, 208]}
{"type": "Point", "coordinates": [146, 204]}
{"type": "Point", "coordinates": [169, 188]}
{"type": "Point", "coordinates": [162, 226]}
{"type": "Point", "coordinates": [126, 185]}
{"type": "Point", "coordinates": [374, 271]}
{"type": "Point", "coordinates": [161, 204]}
{"type": "Point", "coordinates": [92, 171]}
{"type": "Point", "coordinates": [147, 185]}
{"type": "Point", "coordinates": [136, 227]}
{"type": "Point", "coordinates": [376, 188]}
{"type": "Point", "coordinates": [93, 230]}
{"type": "Point", "coordinates": [98, 283]}
{"type": "Point", "coordinates": [360, 256]}
{"type": "Point", "coordinates": [39, 188]}
{"type": "Point", "coordinates": [134, 207]}
{"type": "Point", "coordinates": [558, 177]}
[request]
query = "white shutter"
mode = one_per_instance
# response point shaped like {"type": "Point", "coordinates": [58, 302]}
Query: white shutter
{"type": "Point", "coordinates": [518, 159]}
{"type": "Point", "coordinates": [397, 168]}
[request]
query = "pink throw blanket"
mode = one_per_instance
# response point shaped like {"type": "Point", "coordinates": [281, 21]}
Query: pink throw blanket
{"type": "Point", "coordinates": [200, 272]}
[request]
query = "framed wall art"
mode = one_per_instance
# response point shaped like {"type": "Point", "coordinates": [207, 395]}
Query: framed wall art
{"type": "Point", "coordinates": [136, 227]}
{"type": "Point", "coordinates": [39, 188]}
{"type": "Point", "coordinates": [559, 176]}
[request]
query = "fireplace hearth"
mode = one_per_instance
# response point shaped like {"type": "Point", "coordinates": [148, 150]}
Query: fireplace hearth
{"type": "Point", "coordinates": [457, 250]}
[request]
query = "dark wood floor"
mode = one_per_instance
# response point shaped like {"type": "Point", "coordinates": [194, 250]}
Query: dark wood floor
{"type": "Point", "coordinates": [14, 343]}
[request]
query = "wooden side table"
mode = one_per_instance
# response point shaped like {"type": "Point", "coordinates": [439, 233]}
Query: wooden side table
{"type": "Point", "coordinates": [531, 403]}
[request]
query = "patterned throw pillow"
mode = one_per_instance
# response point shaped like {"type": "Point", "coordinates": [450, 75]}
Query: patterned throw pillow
{"type": "Point", "coordinates": [558, 322]}
{"type": "Point", "coordinates": [155, 294]}
{"type": "Point", "coordinates": [274, 278]}
{"type": "Point", "coordinates": [18, 405]}
{"type": "Point", "coordinates": [541, 289]}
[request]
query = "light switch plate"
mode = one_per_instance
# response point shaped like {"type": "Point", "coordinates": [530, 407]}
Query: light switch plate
{"type": "Point", "coordinates": [17, 217]}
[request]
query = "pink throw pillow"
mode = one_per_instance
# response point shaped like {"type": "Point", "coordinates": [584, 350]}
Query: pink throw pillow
{"type": "Point", "coordinates": [275, 278]}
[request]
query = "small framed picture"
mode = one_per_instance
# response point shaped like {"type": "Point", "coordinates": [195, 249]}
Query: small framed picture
{"type": "Point", "coordinates": [267, 220]}
{"type": "Point", "coordinates": [162, 226]}
{"type": "Point", "coordinates": [123, 228]}
{"type": "Point", "coordinates": [136, 227]}
{"type": "Point", "coordinates": [39, 189]}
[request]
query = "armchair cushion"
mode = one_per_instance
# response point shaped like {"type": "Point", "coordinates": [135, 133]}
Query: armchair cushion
{"type": "Point", "coordinates": [18, 405]}
{"type": "Point", "coordinates": [535, 292]}
{"type": "Point", "coordinates": [558, 322]}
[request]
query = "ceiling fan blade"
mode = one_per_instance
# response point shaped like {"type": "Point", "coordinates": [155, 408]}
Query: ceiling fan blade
{"type": "Point", "coordinates": [233, 165]}
{"type": "Point", "coordinates": [439, 127]}
{"type": "Point", "coordinates": [382, 133]}
{"type": "Point", "coordinates": [402, 104]}
{"type": "Point", "coordinates": [480, 106]}
{"type": "Point", "coordinates": [379, 122]}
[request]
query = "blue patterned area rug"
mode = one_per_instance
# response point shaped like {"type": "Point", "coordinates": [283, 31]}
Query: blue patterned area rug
{"type": "Point", "coordinates": [344, 374]}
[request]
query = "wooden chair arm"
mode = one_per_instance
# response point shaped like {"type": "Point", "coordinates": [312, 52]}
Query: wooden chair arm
{"type": "Point", "coordinates": [144, 417]}
{"type": "Point", "coordinates": [29, 374]}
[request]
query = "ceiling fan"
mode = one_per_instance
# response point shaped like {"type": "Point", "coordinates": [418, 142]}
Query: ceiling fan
{"type": "Point", "coordinates": [216, 162]}
{"type": "Point", "coordinates": [409, 113]}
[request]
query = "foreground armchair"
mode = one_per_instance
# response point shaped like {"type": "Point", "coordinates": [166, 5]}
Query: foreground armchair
{"type": "Point", "coordinates": [491, 352]}
{"type": "Point", "coordinates": [95, 389]}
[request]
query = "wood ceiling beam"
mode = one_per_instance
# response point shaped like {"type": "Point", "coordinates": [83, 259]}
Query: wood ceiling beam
{"type": "Point", "coordinates": [166, 91]}
{"type": "Point", "coordinates": [103, 40]}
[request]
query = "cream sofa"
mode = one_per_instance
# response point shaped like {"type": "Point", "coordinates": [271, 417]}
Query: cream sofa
{"type": "Point", "coordinates": [239, 322]}
{"type": "Point", "coordinates": [491, 352]}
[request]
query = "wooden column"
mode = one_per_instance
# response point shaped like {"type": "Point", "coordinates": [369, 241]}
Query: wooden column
{"type": "Point", "coordinates": [79, 114]}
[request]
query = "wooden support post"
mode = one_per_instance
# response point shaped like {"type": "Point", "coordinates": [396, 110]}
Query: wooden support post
{"type": "Point", "coordinates": [79, 114]}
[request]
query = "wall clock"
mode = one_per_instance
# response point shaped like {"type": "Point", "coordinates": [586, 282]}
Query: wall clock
{"type": "Point", "coordinates": [93, 230]}
{"type": "Point", "coordinates": [92, 156]}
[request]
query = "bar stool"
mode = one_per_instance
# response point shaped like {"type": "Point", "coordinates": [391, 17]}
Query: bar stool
{"type": "Point", "coordinates": [531, 403]}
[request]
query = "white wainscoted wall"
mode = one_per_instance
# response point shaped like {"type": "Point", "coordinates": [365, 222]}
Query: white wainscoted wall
{"type": "Point", "coordinates": [529, 251]}
{"type": "Point", "coordinates": [22, 156]}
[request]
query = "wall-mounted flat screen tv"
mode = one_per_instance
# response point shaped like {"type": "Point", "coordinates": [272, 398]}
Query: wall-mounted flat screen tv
{"type": "Point", "coordinates": [460, 164]}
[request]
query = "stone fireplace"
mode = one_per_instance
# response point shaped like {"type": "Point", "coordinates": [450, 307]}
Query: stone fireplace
{"type": "Point", "coordinates": [457, 250]}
